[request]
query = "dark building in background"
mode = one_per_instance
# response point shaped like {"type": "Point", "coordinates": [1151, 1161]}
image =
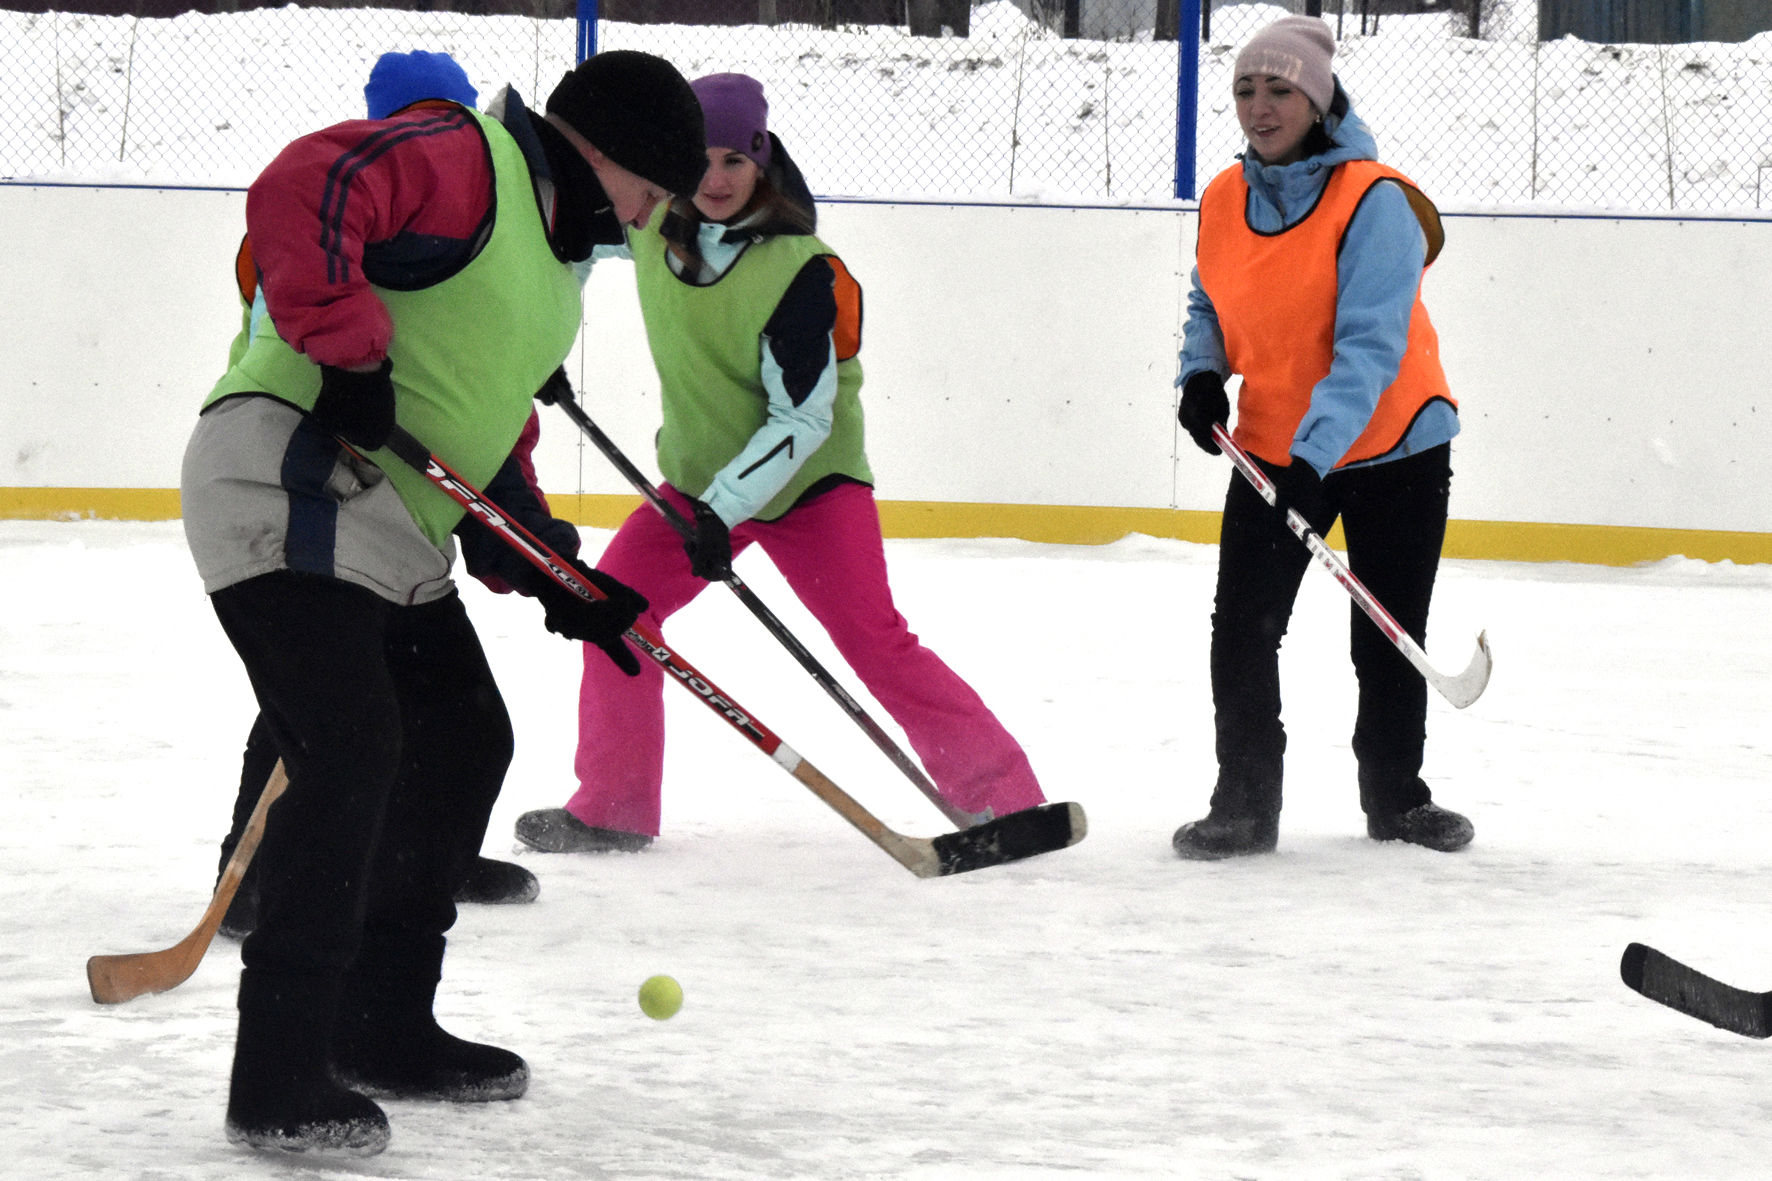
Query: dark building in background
{"type": "Point", "coordinates": [679, 12]}
{"type": "Point", "coordinates": [1653, 22]}
{"type": "Point", "coordinates": [1602, 21]}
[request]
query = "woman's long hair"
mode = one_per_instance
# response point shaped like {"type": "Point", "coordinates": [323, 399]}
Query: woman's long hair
{"type": "Point", "coordinates": [1316, 140]}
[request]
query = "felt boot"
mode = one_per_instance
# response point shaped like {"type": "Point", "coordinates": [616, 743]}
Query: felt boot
{"type": "Point", "coordinates": [555, 830]}
{"type": "Point", "coordinates": [1218, 836]}
{"type": "Point", "coordinates": [389, 1044]}
{"type": "Point", "coordinates": [496, 883]}
{"type": "Point", "coordinates": [281, 1095]}
{"type": "Point", "coordinates": [1399, 807]}
{"type": "Point", "coordinates": [1244, 817]}
{"type": "Point", "coordinates": [1427, 825]}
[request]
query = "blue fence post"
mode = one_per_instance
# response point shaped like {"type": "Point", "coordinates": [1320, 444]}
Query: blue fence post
{"type": "Point", "coordinates": [1187, 97]}
{"type": "Point", "coordinates": [587, 28]}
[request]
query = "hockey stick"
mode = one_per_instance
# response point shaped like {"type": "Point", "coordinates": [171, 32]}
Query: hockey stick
{"type": "Point", "coordinates": [957, 816]}
{"type": "Point", "coordinates": [1667, 981]}
{"type": "Point", "coordinates": [1460, 690]}
{"type": "Point", "coordinates": [1009, 838]}
{"type": "Point", "coordinates": [118, 978]}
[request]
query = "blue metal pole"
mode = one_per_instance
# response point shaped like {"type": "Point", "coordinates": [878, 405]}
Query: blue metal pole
{"type": "Point", "coordinates": [1187, 97]}
{"type": "Point", "coordinates": [587, 28]}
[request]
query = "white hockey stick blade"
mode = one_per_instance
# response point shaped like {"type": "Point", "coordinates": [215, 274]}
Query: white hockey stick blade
{"type": "Point", "coordinates": [1468, 685]}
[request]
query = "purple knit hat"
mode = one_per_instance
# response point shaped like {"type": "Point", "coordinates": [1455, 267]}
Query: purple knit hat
{"type": "Point", "coordinates": [736, 113]}
{"type": "Point", "coordinates": [1296, 48]}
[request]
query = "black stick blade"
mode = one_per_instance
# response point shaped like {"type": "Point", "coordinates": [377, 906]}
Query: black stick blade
{"type": "Point", "coordinates": [1667, 981]}
{"type": "Point", "coordinates": [1014, 837]}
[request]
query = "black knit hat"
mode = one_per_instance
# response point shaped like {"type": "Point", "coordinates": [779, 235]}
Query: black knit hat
{"type": "Point", "coordinates": [639, 111]}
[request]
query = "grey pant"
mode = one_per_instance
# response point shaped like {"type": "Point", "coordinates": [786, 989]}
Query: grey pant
{"type": "Point", "coordinates": [264, 490]}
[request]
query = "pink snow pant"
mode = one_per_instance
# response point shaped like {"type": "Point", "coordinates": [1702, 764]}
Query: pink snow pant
{"type": "Point", "coordinates": [830, 553]}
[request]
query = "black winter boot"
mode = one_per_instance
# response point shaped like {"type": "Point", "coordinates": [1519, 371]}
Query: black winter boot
{"type": "Point", "coordinates": [496, 883]}
{"type": "Point", "coordinates": [1219, 836]}
{"type": "Point", "coordinates": [1427, 825]}
{"type": "Point", "coordinates": [280, 1093]}
{"type": "Point", "coordinates": [1244, 817]}
{"type": "Point", "coordinates": [390, 1046]}
{"type": "Point", "coordinates": [1399, 807]}
{"type": "Point", "coordinates": [555, 830]}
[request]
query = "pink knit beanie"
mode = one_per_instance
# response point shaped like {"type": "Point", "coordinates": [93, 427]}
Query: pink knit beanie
{"type": "Point", "coordinates": [1296, 48]}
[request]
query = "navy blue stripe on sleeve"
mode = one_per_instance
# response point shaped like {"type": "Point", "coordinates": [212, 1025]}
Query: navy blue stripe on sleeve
{"type": "Point", "coordinates": [346, 168]}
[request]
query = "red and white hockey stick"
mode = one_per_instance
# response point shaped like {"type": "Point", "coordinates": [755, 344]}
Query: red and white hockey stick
{"type": "Point", "coordinates": [1008, 838]}
{"type": "Point", "coordinates": [1460, 690]}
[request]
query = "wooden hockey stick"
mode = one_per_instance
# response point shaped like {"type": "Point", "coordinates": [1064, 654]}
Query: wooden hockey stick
{"type": "Point", "coordinates": [118, 978]}
{"type": "Point", "coordinates": [1460, 690]}
{"type": "Point", "coordinates": [1028, 833]}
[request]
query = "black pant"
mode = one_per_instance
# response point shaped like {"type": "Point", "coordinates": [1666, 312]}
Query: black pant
{"type": "Point", "coordinates": [257, 762]}
{"type": "Point", "coordinates": [1394, 518]}
{"type": "Point", "coordinates": [396, 741]}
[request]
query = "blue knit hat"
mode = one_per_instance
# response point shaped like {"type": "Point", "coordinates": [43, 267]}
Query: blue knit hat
{"type": "Point", "coordinates": [401, 79]}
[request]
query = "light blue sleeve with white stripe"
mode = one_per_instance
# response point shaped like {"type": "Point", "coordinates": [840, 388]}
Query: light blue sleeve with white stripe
{"type": "Point", "coordinates": [759, 472]}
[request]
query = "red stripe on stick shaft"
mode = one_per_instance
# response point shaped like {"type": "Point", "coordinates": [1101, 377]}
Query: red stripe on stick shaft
{"type": "Point", "coordinates": [641, 635]}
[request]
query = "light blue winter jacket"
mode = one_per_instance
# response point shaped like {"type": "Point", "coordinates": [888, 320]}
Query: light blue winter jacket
{"type": "Point", "coordinates": [1378, 275]}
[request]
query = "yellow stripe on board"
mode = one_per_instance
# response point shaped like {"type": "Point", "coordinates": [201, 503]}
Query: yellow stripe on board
{"type": "Point", "coordinates": [1603, 545]}
{"type": "Point", "coordinates": [1511, 541]}
{"type": "Point", "coordinates": [72, 504]}
{"type": "Point", "coordinates": [1064, 524]}
{"type": "Point", "coordinates": [1508, 541]}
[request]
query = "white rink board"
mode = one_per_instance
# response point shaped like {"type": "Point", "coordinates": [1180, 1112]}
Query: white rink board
{"type": "Point", "coordinates": [1611, 370]}
{"type": "Point", "coordinates": [116, 309]}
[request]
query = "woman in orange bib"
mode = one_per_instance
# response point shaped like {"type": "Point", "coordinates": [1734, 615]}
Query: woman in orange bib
{"type": "Point", "coordinates": [1307, 285]}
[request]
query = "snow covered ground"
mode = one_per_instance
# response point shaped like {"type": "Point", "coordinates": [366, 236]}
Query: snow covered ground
{"type": "Point", "coordinates": [1342, 1009]}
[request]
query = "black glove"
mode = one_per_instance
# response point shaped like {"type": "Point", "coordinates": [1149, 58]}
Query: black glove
{"type": "Point", "coordinates": [600, 621]}
{"type": "Point", "coordinates": [556, 389]}
{"type": "Point", "coordinates": [710, 550]}
{"type": "Point", "coordinates": [1203, 404]}
{"type": "Point", "coordinates": [357, 407]}
{"type": "Point", "coordinates": [1300, 487]}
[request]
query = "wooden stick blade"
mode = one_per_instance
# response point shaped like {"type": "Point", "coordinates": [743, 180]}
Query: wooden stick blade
{"type": "Point", "coordinates": [118, 978]}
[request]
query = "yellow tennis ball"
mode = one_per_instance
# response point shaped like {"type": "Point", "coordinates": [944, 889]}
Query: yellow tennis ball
{"type": "Point", "coordinates": [660, 997]}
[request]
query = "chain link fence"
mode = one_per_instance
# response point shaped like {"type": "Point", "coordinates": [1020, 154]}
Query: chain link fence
{"type": "Point", "coordinates": [1057, 100]}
